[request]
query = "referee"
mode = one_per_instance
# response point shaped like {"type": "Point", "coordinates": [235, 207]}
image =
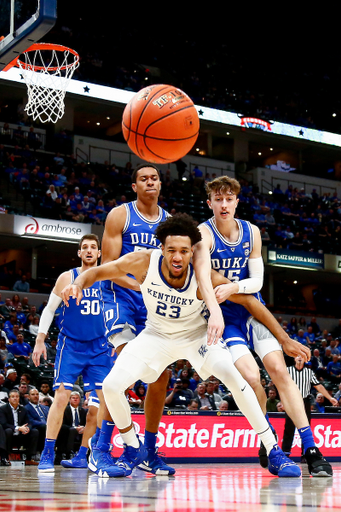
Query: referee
{"type": "Point", "coordinates": [304, 377]}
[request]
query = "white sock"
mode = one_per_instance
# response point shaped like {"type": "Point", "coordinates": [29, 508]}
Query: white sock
{"type": "Point", "coordinates": [130, 438]}
{"type": "Point", "coordinates": [267, 439]}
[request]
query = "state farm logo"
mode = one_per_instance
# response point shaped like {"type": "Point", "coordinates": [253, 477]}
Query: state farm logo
{"type": "Point", "coordinates": [32, 228]}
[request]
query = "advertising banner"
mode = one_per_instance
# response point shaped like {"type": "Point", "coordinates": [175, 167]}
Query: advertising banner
{"type": "Point", "coordinates": [226, 437]}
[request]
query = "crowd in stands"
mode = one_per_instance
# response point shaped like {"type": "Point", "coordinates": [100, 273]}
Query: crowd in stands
{"type": "Point", "coordinates": [229, 78]}
{"type": "Point", "coordinates": [61, 188]}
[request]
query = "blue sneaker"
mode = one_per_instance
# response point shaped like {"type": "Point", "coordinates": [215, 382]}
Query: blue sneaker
{"type": "Point", "coordinates": [280, 465]}
{"type": "Point", "coordinates": [154, 464]}
{"type": "Point", "coordinates": [131, 457]}
{"type": "Point", "coordinates": [46, 464]}
{"type": "Point", "coordinates": [76, 462]}
{"type": "Point", "coordinates": [103, 464]}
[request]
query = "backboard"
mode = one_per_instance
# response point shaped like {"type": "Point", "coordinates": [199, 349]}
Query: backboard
{"type": "Point", "coordinates": [22, 23]}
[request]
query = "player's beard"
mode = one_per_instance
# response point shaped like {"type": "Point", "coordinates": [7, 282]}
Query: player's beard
{"type": "Point", "coordinates": [173, 277]}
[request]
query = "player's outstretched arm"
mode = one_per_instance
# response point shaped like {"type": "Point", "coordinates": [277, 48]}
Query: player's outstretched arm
{"type": "Point", "coordinates": [202, 268]}
{"type": "Point", "coordinates": [112, 243]}
{"type": "Point", "coordinates": [261, 313]}
{"type": "Point", "coordinates": [135, 263]}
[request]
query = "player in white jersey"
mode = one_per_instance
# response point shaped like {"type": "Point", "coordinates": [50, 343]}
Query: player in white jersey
{"type": "Point", "coordinates": [176, 328]}
{"type": "Point", "coordinates": [227, 231]}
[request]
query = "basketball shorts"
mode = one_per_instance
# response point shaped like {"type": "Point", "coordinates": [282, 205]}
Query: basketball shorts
{"type": "Point", "coordinates": [124, 313]}
{"type": "Point", "coordinates": [157, 352]}
{"type": "Point", "coordinates": [249, 334]}
{"type": "Point", "coordinates": [87, 358]}
{"type": "Point", "coordinates": [93, 399]}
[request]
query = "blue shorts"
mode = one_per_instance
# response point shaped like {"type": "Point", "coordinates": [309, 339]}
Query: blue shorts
{"type": "Point", "coordinates": [87, 358]}
{"type": "Point", "coordinates": [238, 328]}
{"type": "Point", "coordinates": [123, 307]}
{"type": "Point", "coordinates": [93, 399]}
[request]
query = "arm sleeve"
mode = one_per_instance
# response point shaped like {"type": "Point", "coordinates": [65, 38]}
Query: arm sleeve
{"type": "Point", "coordinates": [48, 313]}
{"type": "Point", "coordinates": [253, 283]}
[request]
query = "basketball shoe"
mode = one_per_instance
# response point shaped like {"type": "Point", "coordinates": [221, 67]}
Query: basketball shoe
{"type": "Point", "coordinates": [131, 457]}
{"type": "Point", "coordinates": [280, 465]}
{"type": "Point", "coordinates": [46, 464]}
{"type": "Point", "coordinates": [154, 464]}
{"type": "Point", "coordinates": [77, 462]}
{"type": "Point", "coordinates": [317, 464]}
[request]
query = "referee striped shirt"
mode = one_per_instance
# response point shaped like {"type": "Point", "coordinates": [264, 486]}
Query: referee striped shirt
{"type": "Point", "coordinates": [304, 379]}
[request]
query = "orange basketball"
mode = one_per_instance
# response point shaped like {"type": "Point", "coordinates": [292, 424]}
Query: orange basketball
{"type": "Point", "coordinates": [160, 124]}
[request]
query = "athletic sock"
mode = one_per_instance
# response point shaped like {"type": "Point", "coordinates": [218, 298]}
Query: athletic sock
{"type": "Point", "coordinates": [96, 435]}
{"type": "Point", "coordinates": [268, 440]}
{"type": "Point", "coordinates": [150, 440]}
{"type": "Point", "coordinates": [104, 440]}
{"type": "Point", "coordinates": [130, 438]}
{"type": "Point", "coordinates": [307, 437]}
{"type": "Point", "coordinates": [82, 452]}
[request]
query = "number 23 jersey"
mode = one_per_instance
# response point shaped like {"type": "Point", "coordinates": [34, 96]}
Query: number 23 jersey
{"type": "Point", "coordinates": [171, 311]}
{"type": "Point", "coordinates": [86, 321]}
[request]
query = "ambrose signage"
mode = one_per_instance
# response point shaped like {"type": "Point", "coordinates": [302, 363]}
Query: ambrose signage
{"type": "Point", "coordinates": [49, 228]}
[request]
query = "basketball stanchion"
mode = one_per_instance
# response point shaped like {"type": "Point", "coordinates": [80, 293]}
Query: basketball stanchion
{"type": "Point", "coordinates": [47, 70]}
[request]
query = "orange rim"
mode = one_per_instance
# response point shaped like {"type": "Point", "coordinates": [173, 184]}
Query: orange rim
{"type": "Point", "coordinates": [46, 46]}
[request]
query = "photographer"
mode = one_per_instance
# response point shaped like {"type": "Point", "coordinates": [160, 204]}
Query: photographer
{"type": "Point", "coordinates": [178, 397]}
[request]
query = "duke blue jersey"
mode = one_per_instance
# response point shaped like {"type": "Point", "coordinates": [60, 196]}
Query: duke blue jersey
{"type": "Point", "coordinates": [86, 321]}
{"type": "Point", "coordinates": [137, 234]}
{"type": "Point", "coordinates": [231, 260]}
{"type": "Point", "coordinates": [171, 311]}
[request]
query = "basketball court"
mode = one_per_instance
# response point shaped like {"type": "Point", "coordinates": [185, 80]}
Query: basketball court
{"type": "Point", "coordinates": [229, 487]}
{"type": "Point", "coordinates": [200, 487]}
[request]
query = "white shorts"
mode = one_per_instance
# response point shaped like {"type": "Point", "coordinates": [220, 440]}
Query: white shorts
{"type": "Point", "coordinates": [264, 342]}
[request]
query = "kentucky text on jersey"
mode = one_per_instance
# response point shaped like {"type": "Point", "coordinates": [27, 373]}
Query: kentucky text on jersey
{"type": "Point", "coordinates": [180, 301]}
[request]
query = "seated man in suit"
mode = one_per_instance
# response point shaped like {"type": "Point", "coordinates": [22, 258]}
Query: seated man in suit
{"type": "Point", "coordinates": [75, 419]}
{"type": "Point", "coordinates": [37, 416]}
{"type": "Point", "coordinates": [18, 431]}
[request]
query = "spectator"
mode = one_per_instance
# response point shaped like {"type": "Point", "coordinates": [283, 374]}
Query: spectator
{"type": "Point", "coordinates": [334, 369]}
{"type": "Point", "coordinates": [223, 405]}
{"type": "Point", "coordinates": [193, 405]}
{"type": "Point", "coordinates": [37, 416]}
{"type": "Point", "coordinates": [18, 431]}
{"type": "Point", "coordinates": [11, 379]}
{"type": "Point", "coordinates": [300, 337]}
{"type": "Point", "coordinates": [206, 402]}
{"type": "Point", "coordinates": [319, 403]}
{"type": "Point", "coordinates": [74, 419]}
{"type": "Point", "coordinates": [44, 391]}
{"type": "Point", "coordinates": [315, 326]}
{"type": "Point", "coordinates": [3, 390]}
{"type": "Point", "coordinates": [309, 335]}
{"type": "Point", "coordinates": [211, 394]}
{"type": "Point", "coordinates": [178, 397]}
{"type": "Point", "coordinates": [20, 349]}
{"type": "Point", "coordinates": [22, 285]}
{"type": "Point", "coordinates": [272, 401]}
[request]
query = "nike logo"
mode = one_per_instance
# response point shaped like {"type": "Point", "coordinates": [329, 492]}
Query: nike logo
{"type": "Point", "coordinates": [221, 250]}
{"type": "Point", "coordinates": [136, 224]}
{"type": "Point", "coordinates": [156, 284]}
{"type": "Point", "coordinates": [243, 388]}
{"type": "Point", "coordinates": [304, 429]}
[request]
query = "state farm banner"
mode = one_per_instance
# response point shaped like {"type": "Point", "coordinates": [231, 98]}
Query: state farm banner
{"type": "Point", "coordinates": [225, 437]}
{"type": "Point", "coordinates": [49, 228]}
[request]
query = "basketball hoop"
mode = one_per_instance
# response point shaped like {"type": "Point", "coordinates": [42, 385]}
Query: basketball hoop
{"type": "Point", "coordinates": [47, 70]}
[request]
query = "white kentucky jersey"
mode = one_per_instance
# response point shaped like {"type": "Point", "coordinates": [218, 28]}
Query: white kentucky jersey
{"type": "Point", "coordinates": [171, 311]}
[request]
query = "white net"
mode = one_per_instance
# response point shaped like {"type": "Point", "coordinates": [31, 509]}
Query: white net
{"type": "Point", "coordinates": [47, 71]}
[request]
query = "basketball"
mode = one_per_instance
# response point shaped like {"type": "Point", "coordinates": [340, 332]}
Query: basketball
{"type": "Point", "coordinates": [160, 124]}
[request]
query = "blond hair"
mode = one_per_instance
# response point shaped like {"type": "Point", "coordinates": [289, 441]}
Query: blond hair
{"type": "Point", "coordinates": [224, 185]}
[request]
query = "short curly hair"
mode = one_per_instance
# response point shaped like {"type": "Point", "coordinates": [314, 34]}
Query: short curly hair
{"type": "Point", "coordinates": [180, 224]}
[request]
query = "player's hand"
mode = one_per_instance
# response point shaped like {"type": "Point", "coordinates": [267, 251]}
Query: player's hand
{"type": "Point", "coordinates": [294, 348]}
{"type": "Point", "coordinates": [71, 290]}
{"type": "Point", "coordinates": [39, 350]}
{"type": "Point", "coordinates": [215, 326]}
{"type": "Point", "coordinates": [224, 291]}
